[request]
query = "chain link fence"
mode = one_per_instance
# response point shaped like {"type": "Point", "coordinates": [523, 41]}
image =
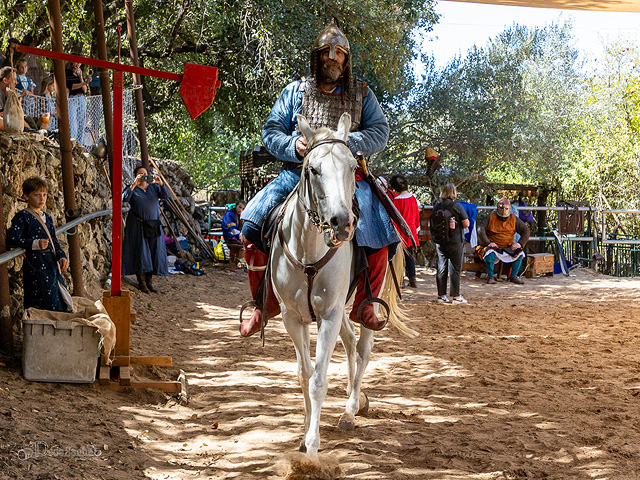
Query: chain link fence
{"type": "Point", "coordinates": [86, 121]}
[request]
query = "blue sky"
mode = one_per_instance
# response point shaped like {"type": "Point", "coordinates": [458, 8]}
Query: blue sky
{"type": "Point", "coordinates": [464, 24]}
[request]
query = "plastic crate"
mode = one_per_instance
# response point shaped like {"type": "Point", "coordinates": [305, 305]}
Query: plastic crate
{"type": "Point", "coordinates": [59, 351]}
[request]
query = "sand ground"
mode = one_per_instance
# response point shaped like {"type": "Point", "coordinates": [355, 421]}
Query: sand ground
{"type": "Point", "coordinates": [533, 381]}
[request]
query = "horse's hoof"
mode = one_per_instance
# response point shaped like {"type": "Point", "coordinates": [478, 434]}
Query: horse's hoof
{"type": "Point", "coordinates": [302, 448]}
{"type": "Point", "coordinates": [346, 422]}
{"type": "Point", "coordinates": [364, 404]}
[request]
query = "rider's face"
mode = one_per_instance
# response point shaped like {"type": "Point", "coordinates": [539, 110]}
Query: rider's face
{"type": "Point", "coordinates": [332, 68]}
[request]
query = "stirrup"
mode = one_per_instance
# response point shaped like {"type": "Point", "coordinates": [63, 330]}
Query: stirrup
{"type": "Point", "coordinates": [366, 302]}
{"type": "Point", "coordinates": [250, 303]}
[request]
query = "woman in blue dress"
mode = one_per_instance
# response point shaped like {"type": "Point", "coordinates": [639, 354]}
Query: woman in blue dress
{"type": "Point", "coordinates": [143, 250]}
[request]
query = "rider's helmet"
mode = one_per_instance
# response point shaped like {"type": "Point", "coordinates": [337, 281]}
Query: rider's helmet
{"type": "Point", "coordinates": [332, 38]}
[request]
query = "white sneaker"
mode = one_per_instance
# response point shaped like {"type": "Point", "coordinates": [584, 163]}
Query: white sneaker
{"type": "Point", "coordinates": [459, 299]}
{"type": "Point", "coordinates": [443, 299]}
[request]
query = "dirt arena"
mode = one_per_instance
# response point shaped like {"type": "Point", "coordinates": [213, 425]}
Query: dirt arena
{"type": "Point", "coordinates": [533, 381]}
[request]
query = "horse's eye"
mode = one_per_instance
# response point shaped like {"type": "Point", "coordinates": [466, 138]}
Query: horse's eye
{"type": "Point", "coordinates": [313, 170]}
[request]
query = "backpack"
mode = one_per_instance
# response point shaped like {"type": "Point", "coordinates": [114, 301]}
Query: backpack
{"type": "Point", "coordinates": [440, 231]}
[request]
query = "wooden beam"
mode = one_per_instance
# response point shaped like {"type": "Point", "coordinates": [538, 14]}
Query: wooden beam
{"type": "Point", "coordinates": [604, 6]}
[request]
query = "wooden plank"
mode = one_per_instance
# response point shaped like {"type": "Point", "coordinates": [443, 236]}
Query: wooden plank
{"type": "Point", "coordinates": [104, 374]}
{"type": "Point", "coordinates": [119, 309]}
{"type": "Point", "coordinates": [157, 361]}
{"type": "Point", "coordinates": [168, 387]}
{"type": "Point", "coordinates": [125, 375]}
{"type": "Point", "coordinates": [121, 361]}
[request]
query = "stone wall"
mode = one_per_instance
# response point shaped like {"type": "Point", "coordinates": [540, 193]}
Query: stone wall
{"type": "Point", "coordinates": [33, 154]}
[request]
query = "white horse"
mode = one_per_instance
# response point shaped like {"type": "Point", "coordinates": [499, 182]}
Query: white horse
{"type": "Point", "coordinates": [310, 266]}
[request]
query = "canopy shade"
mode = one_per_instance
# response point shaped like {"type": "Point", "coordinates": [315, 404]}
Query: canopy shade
{"type": "Point", "coordinates": [605, 5]}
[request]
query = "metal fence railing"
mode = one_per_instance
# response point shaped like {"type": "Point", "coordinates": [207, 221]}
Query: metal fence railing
{"type": "Point", "coordinates": [610, 253]}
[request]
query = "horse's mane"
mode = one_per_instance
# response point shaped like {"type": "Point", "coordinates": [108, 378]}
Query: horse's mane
{"type": "Point", "coordinates": [320, 134]}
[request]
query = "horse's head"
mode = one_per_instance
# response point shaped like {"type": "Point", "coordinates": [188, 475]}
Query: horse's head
{"type": "Point", "coordinates": [327, 184]}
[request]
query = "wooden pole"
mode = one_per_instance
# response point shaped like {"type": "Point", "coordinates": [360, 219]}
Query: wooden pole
{"type": "Point", "coordinates": [68, 185]}
{"type": "Point", "coordinates": [137, 80]}
{"type": "Point", "coordinates": [6, 325]}
{"type": "Point", "coordinates": [105, 84]}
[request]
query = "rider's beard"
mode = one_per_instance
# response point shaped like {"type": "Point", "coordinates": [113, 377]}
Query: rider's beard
{"type": "Point", "coordinates": [330, 71]}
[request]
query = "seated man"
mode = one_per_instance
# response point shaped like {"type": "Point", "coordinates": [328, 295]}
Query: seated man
{"type": "Point", "coordinates": [496, 240]}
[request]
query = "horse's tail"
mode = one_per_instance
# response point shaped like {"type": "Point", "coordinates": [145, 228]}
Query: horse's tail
{"type": "Point", "coordinates": [397, 315]}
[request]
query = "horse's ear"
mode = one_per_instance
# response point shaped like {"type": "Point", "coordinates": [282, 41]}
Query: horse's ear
{"type": "Point", "coordinates": [304, 126]}
{"type": "Point", "coordinates": [344, 125]}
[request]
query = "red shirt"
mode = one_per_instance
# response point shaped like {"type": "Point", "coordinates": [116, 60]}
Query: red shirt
{"type": "Point", "coordinates": [407, 205]}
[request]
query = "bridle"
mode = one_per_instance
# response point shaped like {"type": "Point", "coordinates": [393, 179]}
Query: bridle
{"type": "Point", "coordinates": [309, 269]}
{"type": "Point", "coordinates": [314, 217]}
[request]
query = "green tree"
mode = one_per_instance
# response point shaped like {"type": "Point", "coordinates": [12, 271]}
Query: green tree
{"type": "Point", "coordinates": [258, 45]}
{"type": "Point", "coordinates": [507, 110]}
{"type": "Point", "coordinates": [605, 168]}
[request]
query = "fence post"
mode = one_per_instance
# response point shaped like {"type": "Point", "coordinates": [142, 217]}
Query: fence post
{"type": "Point", "coordinates": [68, 186]}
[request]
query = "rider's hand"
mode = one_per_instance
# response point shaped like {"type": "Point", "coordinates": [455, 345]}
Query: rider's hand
{"type": "Point", "coordinates": [516, 246]}
{"type": "Point", "coordinates": [493, 245]}
{"type": "Point", "coordinates": [43, 243]}
{"type": "Point", "coordinates": [301, 146]}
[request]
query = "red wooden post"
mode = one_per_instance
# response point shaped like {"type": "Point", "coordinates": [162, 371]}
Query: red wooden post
{"type": "Point", "coordinates": [116, 232]}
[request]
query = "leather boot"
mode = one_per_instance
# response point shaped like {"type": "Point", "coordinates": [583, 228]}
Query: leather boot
{"type": "Point", "coordinates": [149, 279]}
{"type": "Point", "coordinates": [142, 282]}
{"type": "Point", "coordinates": [412, 282]}
{"type": "Point", "coordinates": [256, 265]}
{"type": "Point", "coordinates": [377, 270]}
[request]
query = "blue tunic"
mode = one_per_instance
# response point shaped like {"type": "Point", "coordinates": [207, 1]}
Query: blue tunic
{"type": "Point", "coordinates": [279, 135]}
{"type": "Point", "coordinates": [40, 273]}
{"type": "Point", "coordinates": [139, 255]}
{"type": "Point", "coordinates": [230, 230]}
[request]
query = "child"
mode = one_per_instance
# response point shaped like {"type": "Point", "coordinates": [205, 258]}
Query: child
{"type": "Point", "coordinates": [40, 267]}
{"type": "Point", "coordinates": [230, 222]}
{"type": "Point", "coordinates": [25, 85]}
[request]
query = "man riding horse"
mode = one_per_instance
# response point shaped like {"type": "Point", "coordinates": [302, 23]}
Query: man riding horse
{"type": "Point", "coordinates": [322, 98]}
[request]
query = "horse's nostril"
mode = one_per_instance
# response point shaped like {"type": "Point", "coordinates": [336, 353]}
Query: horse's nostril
{"type": "Point", "coordinates": [334, 221]}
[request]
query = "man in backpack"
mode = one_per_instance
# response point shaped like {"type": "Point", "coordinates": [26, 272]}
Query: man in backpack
{"type": "Point", "coordinates": [496, 241]}
{"type": "Point", "coordinates": [448, 221]}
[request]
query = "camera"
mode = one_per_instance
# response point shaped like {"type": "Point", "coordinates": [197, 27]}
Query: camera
{"type": "Point", "coordinates": [146, 178]}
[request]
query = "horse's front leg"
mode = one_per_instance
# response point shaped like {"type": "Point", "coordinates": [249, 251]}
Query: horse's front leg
{"type": "Point", "coordinates": [299, 334]}
{"type": "Point", "coordinates": [355, 402]}
{"type": "Point", "coordinates": [328, 330]}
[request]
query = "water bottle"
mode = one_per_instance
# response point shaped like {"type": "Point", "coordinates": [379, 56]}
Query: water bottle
{"type": "Point", "coordinates": [452, 226]}
{"type": "Point", "coordinates": [108, 284]}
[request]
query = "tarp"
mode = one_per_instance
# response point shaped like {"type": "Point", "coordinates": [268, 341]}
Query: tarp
{"type": "Point", "coordinates": [607, 6]}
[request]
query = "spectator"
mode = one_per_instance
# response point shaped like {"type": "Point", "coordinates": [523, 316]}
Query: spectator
{"type": "Point", "coordinates": [231, 223]}
{"type": "Point", "coordinates": [33, 230]}
{"type": "Point", "coordinates": [24, 84]}
{"type": "Point", "coordinates": [407, 205]}
{"type": "Point", "coordinates": [143, 251]}
{"type": "Point", "coordinates": [48, 94]}
{"type": "Point", "coordinates": [77, 86]}
{"type": "Point", "coordinates": [496, 241]}
{"type": "Point", "coordinates": [7, 80]}
{"type": "Point", "coordinates": [450, 252]}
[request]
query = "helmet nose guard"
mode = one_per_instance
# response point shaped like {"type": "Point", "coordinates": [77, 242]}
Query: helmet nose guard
{"type": "Point", "coordinates": [333, 38]}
